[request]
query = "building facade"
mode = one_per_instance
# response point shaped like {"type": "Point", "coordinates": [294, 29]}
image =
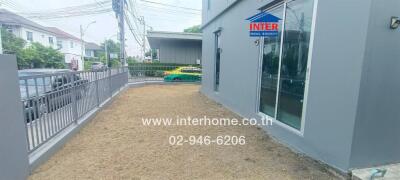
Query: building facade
{"type": "Point", "coordinates": [30, 31]}
{"type": "Point", "coordinates": [176, 47]}
{"type": "Point", "coordinates": [71, 47]}
{"type": "Point", "coordinates": [26, 29]}
{"type": "Point", "coordinates": [327, 80]}
{"type": "Point", "coordinates": [92, 50]}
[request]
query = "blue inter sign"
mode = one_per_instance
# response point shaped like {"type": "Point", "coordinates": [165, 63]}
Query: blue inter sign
{"type": "Point", "coordinates": [263, 25]}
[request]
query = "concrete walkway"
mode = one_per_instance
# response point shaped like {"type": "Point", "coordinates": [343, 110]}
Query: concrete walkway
{"type": "Point", "coordinates": [116, 144]}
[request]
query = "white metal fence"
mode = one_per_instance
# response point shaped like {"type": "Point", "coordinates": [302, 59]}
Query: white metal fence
{"type": "Point", "coordinates": [52, 102]}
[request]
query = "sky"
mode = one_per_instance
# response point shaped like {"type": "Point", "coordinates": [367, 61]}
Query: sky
{"type": "Point", "coordinates": [159, 17]}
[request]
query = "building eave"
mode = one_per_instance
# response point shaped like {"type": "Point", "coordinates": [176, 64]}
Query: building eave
{"type": "Point", "coordinates": [174, 35]}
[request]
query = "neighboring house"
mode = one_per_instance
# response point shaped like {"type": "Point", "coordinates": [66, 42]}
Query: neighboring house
{"type": "Point", "coordinates": [71, 47]}
{"type": "Point", "coordinates": [328, 81]}
{"type": "Point", "coordinates": [27, 29]}
{"type": "Point", "coordinates": [30, 31]}
{"type": "Point", "coordinates": [92, 50]}
{"type": "Point", "coordinates": [176, 47]}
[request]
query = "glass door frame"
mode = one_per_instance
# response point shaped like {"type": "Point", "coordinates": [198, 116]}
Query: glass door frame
{"type": "Point", "coordinates": [260, 64]}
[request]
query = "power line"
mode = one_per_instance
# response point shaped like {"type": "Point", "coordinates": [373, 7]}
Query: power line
{"type": "Point", "coordinates": [10, 5]}
{"type": "Point", "coordinates": [13, 5]}
{"type": "Point", "coordinates": [81, 10]}
{"type": "Point", "coordinates": [131, 11]}
{"type": "Point", "coordinates": [133, 6]}
{"type": "Point", "coordinates": [135, 32]}
{"type": "Point", "coordinates": [74, 8]}
{"type": "Point", "coordinates": [169, 5]}
{"type": "Point", "coordinates": [102, 6]}
{"type": "Point", "coordinates": [170, 17]}
{"type": "Point", "coordinates": [58, 16]}
{"type": "Point", "coordinates": [170, 11]}
{"type": "Point", "coordinates": [132, 30]}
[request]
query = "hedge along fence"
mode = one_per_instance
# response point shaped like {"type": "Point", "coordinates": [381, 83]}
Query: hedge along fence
{"type": "Point", "coordinates": [154, 69]}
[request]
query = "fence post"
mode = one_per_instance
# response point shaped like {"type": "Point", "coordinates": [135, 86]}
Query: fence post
{"type": "Point", "coordinates": [74, 96]}
{"type": "Point", "coordinates": [97, 88]}
{"type": "Point", "coordinates": [109, 81]}
{"type": "Point", "coordinates": [127, 75]}
{"type": "Point", "coordinates": [14, 163]}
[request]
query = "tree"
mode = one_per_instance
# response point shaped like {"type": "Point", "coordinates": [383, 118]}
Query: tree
{"type": "Point", "coordinates": [131, 60]}
{"type": "Point", "coordinates": [115, 63]}
{"type": "Point", "coordinates": [112, 48]}
{"type": "Point", "coordinates": [13, 45]}
{"type": "Point", "coordinates": [39, 56]}
{"type": "Point", "coordinates": [34, 55]}
{"type": "Point", "coordinates": [193, 29]}
{"type": "Point", "coordinates": [52, 57]}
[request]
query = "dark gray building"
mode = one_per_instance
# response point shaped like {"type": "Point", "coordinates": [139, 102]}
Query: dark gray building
{"type": "Point", "coordinates": [329, 80]}
{"type": "Point", "coordinates": [176, 47]}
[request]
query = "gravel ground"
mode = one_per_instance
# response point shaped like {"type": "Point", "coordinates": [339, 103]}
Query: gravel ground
{"type": "Point", "coordinates": [116, 145]}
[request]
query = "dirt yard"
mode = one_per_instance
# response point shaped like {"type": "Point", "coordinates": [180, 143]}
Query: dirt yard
{"type": "Point", "coordinates": [116, 144]}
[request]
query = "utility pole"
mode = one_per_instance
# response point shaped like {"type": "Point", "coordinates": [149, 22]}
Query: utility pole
{"type": "Point", "coordinates": [144, 37]}
{"type": "Point", "coordinates": [82, 44]}
{"type": "Point", "coordinates": [121, 25]}
{"type": "Point", "coordinates": [1, 27]}
{"type": "Point", "coordinates": [82, 31]}
{"type": "Point", "coordinates": [106, 51]}
{"type": "Point", "coordinates": [1, 42]}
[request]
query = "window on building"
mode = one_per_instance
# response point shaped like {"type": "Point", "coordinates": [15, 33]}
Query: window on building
{"type": "Point", "coordinates": [88, 53]}
{"type": "Point", "coordinates": [71, 44]}
{"type": "Point", "coordinates": [51, 40]}
{"type": "Point", "coordinates": [59, 44]}
{"type": "Point", "coordinates": [284, 68]}
{"type": "Point", "coordinates": [217, 59]}
{"type": "Point", "coordinates": [29, 36]}
{"type": "Point", "coordinates": [208, 4]}
{"type": "Point", "coordinates": [9, 30]}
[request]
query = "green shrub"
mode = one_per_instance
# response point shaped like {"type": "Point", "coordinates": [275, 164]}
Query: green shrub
{"type": "Point", "coordinates": [88, 65]}
{"type": "Point", "coordinates": [153, 69]}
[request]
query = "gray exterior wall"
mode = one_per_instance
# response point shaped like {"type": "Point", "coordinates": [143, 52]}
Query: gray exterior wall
{"type": "Point", "coordinates": [13, 145]}
{"type": "Point", "coordinates": [377, 133]}
{"type": "Point", "coordinates": [332, 106]}
{"type": "Point", "coordinates": [179, 51]}
{"type": "Point", "coordinates": [214, 8]}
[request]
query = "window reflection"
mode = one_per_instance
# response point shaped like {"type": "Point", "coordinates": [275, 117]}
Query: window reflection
{"type": "Point", "coordinates": [270, 66]}
{"type": "Point", "coordinates": [293, 64]}
{"type": "Point", "coordinates": [294, 61]}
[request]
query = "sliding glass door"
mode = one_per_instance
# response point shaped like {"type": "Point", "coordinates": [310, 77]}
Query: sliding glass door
{"type": "Point", "coordinates": [284, 71]}
{"type": "Point", "coordinates": [270, 68]}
